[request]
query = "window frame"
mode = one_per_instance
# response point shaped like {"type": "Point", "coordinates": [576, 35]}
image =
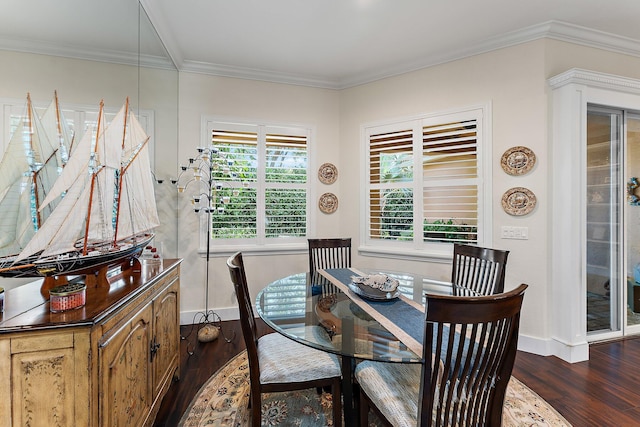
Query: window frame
{"type": "Point", "coordinates": [416, 248]}
{"type": "Point", "coordinates": [280, 245]}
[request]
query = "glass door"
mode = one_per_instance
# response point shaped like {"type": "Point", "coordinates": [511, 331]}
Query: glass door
{"type": "Point", "coordinates": [603, 212]}
{"type": "Point", "coordinates": [613, 223]}
{"type": "Point", "coordinates": [632, 224]}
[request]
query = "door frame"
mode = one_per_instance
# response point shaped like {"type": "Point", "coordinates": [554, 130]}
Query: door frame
{"type": "Point", "coordinates": [571, 92]}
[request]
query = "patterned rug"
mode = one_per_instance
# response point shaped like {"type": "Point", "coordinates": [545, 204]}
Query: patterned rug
{"type": "Point", "coordinates": [222, 402]}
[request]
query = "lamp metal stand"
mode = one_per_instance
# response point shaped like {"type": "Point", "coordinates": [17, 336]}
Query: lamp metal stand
{"type": "Point", "coordinates": [207, 322]}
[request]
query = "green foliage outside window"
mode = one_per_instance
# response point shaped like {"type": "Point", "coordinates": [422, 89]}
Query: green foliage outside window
{"type": "Point", "coordinates": [237, 197]}
{"type": "Point", "coordinates": [397, 214]}
{"type": "Point", "coordinates": [447, 230]}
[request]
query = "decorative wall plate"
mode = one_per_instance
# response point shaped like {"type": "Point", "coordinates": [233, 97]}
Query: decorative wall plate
{"type": "Point", "coordinates": [328, 173]}
{"type": "Point", "coordinates": [518, 160]}
{"type": "Point", "coordinates": [328, 203]}
{"type": "Point", "coordinates": [518, 201]}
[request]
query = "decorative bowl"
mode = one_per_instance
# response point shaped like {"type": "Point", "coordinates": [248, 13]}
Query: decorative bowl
{"type": "Point", "coordinates": [381, 282]}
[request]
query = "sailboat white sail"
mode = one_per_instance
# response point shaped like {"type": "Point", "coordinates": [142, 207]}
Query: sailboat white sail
{"type": "Point", "coordinates": [64, 226]}
{"type": "Point", "coordinates": [108, 206]}
{"type": "Point", "coordinates": [28, 169]}
{"type": "Point", "coordinates": [137, 209]}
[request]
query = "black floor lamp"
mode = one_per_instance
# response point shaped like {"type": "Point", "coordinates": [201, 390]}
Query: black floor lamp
{"type": "Point", "coordinates": [199, 173]}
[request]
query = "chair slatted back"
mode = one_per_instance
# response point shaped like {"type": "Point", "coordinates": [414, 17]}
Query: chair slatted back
{"type": "Point", "coordinates": [329, 253]}
{"type": "Point", "coordinates": [470, 348]}
{"type": "Point", "coordinates": [247, 317]}
{"type": "Point", "coordinates": [481, 270]}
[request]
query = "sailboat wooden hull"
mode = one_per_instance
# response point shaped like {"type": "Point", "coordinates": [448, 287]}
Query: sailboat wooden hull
{"type": "Point", "coordinates": [75, 264]}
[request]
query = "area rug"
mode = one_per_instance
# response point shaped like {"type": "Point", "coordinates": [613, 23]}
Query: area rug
{"type": "Point", "coordinates": [222, 402]}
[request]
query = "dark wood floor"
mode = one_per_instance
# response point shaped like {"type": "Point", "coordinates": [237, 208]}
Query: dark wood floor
{"type": "Point", "coordinates": [604, 391]}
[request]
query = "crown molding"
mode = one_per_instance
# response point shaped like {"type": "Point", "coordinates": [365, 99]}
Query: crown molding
{"type": "Point", "coordinates": [595, 79]}
{"type": "Point", "coordinates": [256, 74]}
{"type": "Point", "coordinates": [592, 38]}
{"type": "Point", "coordinates": [74, 52]}
{"type": "Point", "coordinates": [555, 30]}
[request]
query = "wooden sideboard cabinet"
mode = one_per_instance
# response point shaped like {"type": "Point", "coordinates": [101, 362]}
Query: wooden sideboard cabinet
{"type": "Point", "coordinates": [107, 364]}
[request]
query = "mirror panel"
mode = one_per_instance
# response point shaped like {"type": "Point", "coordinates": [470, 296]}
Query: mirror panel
{"type": "Point", "coordinates": [88, 52]}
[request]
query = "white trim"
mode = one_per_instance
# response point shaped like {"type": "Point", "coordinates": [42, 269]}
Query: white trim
{"type": "Point", "coordinates": [572, 91]}
{"type": "Point", "coordinates": [525, 343]}
{"type": "Point", "coordinates": [133, 59]}
{"type": "Point", "coordinates": [416, 249]}
{"type": "Point", "coordinates": [556, 30]}
{"type": "Point", "coordinates": [261, 245]}
{"type": "Point", "coordinates": [228, 313]}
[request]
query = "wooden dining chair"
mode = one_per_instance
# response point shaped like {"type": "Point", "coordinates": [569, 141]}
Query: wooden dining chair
{"type": "Point", "coordinates": [481, 270]}
{"type": "Point", "coordinates": [329, 253]}
{"type": "Point", "coordinates": [469, 350]}
{"type": "Point", "coordinates": [277, 363]}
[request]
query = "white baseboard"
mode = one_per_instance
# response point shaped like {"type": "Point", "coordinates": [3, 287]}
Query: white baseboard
{"type": "Point", "coordinates": [533, 345]}
{"type": "Point", "coordinates": [539, 346]}
{"type": "Point", "coordinates": [194, 316]}
{"type": "Point", "coordinates": [552, 347]}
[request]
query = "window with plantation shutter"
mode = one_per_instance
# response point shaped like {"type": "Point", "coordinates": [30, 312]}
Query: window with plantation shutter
{"type": "Point", "coordinates": [235, 189]}
{"type": "Point", "coordinates": [425, 180]}
{"type": "Point", "coordinates": [391, 185]}
{"type": "Point", "coordinates": [286, 185]}
{"type": "Point", "coordinates": [262, 182]}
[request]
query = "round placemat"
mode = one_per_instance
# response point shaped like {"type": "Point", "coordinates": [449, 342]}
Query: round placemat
{"type": "Point", "coordinates": [518, 201]}
{"type": "Point", "coordinates": [518, 160]}
{"type": "Point", "coordinates": [328, 173]}
{"type": "Point", "coordinates": [328, 203]}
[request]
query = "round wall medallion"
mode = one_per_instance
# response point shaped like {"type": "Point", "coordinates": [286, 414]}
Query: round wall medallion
{"type": "Point", "coordinates": [328, 203]}
{"type": "Point", "coordinates": [328, 173]}
{"type": "Point", "coordinates": [518, 160]}
{"type": "Point", "coordinates": [518, 201]}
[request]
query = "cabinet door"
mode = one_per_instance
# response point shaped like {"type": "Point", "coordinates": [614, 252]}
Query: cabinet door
{"type": "Point", "coordinates": [42, 371]}
{"type": "Point", "coordinates": [167, 337]}
{"type": "Point", "coordinates": [125, 375]}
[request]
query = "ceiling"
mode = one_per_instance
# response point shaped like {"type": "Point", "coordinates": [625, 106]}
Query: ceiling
{"type": "Point", "coordinates": [323, 43]}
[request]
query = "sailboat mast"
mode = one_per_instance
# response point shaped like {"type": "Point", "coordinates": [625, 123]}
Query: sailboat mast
{"type": "Point", "coordinates": [34, 173]}
{"type": "Point", "coordinates": [58, 121]}
{"type": "Point", "coordinates": [62, 135]}
{"type": "Point", "coordinates": [120, 177]}
{"type": "Point", "coordinates": [93, 182]}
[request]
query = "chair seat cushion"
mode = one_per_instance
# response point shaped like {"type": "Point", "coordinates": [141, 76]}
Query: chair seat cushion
{"type": "Point", "coordinates": [284, 360]}
{"type": "Point", "coordinates": [394, 389]}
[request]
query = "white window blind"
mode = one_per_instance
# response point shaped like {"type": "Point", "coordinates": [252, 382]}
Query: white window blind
{"type": "Point", "coordinates": [286, 179]}
{"type": "Point", "coordinates": [262, 182]}
{"type": "Point", "coordinates": [425, 180]}
{"type": "Point", "coordinates": [235, 191]}
{"type": "Point", "coordinates": [450, 181]}
{"type": "Point", "coordinates": [391, 188]}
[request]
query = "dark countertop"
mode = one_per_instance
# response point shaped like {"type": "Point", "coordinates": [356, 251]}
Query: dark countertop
{"type": "Point", "coordinates": [25, 307]}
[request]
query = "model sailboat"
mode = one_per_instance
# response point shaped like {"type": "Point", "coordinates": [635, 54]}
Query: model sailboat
{"type": "Point", "coordinates": [105, 204]}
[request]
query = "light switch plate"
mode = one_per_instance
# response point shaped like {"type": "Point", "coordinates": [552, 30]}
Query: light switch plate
{"type": "Point", "coordinates": [519, 233]}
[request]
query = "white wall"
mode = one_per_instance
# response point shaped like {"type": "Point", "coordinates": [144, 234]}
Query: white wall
{"type": "Point", "coordinates": [203, 95]}
{"type": "Point", "coordinates": [513, 80]}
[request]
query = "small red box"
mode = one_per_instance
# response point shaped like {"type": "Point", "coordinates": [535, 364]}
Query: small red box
{"type": "Point", "coordinates": [67, 297]}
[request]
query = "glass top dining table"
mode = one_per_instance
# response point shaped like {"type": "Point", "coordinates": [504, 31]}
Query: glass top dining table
{"type": "Point", "coordinates": [310, 309]}
{"type": "Point", "coordinates": [323, 311]}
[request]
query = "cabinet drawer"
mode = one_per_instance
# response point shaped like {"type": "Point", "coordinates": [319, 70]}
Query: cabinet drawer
{"type": "Point", "coordinates": [41, 342]}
